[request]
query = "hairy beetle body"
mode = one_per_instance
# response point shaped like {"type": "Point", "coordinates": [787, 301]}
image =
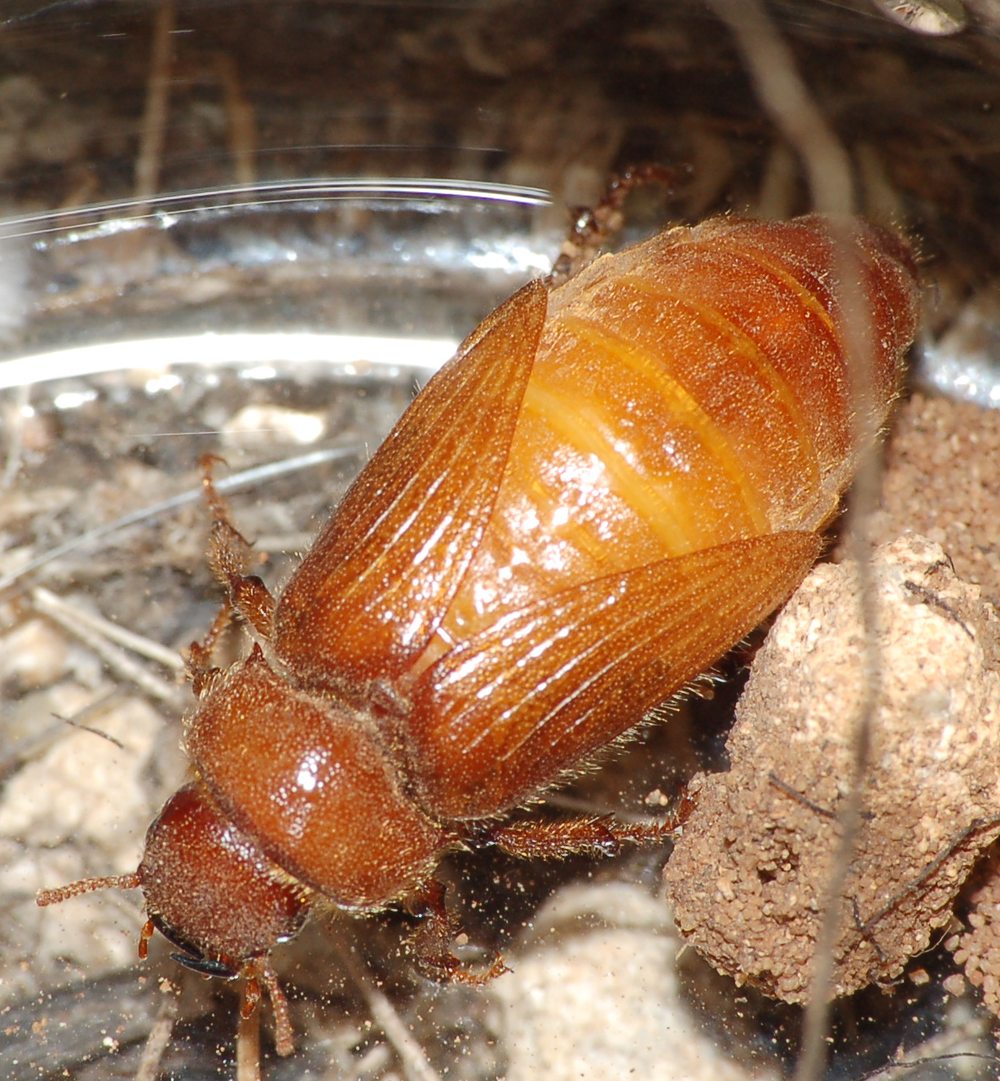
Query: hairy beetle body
{"type": "Point", "coordinates": [608, 486]}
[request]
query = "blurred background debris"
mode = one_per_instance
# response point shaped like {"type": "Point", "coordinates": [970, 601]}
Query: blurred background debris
{"type": "Point", "coordinates": [252, 228]}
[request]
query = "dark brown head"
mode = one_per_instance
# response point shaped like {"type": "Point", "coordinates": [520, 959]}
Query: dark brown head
{"type": "Point", "coordinates": [212, 893]}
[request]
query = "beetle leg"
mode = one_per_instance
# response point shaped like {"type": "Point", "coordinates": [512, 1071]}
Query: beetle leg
{"type": "Point", "coordinates": [434, 936]}
{"type": "Point", "coordinates": [229, 556]}
{"type": "Point", "coordinates": [258, 975]}
{"type": "Point", "coordinates": [198, 661]}
{"type": "Point", "coordinates": [596, 227]}
{"type": "Point", "coordinates": [594, 836]}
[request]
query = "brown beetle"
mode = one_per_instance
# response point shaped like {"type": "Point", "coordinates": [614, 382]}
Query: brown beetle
{"type": "Point", "coordinates": [610, 484]}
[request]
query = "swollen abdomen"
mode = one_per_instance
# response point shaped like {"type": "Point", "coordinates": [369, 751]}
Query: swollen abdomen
{"type": "Point", "coordinates": [690, 391]}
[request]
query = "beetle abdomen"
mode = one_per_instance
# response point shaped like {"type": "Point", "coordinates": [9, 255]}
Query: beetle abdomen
{"type": "Point", "coordinates": [685, 431]}
{"type": "Point", "coordinates": [688, 392]}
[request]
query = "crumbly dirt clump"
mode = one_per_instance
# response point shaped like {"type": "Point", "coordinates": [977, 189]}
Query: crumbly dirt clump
{"type": "Point", "coordinates": [942, 480]}
{"type": "Point", "coordinates": [750, 878]}
{"type": "Point", "coordinates": [977, 946]}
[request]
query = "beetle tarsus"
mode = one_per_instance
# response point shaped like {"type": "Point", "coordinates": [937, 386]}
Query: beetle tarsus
{"type": "Point", "coordinates": [445, 967]}
{"type": "Point", "coordinates": [432, 941]}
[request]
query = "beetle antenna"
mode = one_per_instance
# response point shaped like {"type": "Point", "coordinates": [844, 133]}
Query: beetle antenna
{"type": "Point", "coordinates": [87, 885]}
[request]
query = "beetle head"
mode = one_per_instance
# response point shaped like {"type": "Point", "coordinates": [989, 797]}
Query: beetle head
{"type": "Point", "coordinates": [213, 894]}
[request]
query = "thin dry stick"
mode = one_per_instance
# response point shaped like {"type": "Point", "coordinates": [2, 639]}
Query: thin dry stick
{"type": "Point", "coordinates": [242, 136]}
{"type": "Point", "coordinates": [93, 631]}
{"type": "Point", "coordinates": [248, 1048]}
{"type": "Point", "coordinates": [158, 1040]}
{"type": "Point", "coordinates": [235, 482]}
{"type": "Point", "coordinates": [154, 120]}
{"type": "Point", "coordinates": [384, 1014]}
{"type": "Point", "coordinates": [979, 826]}
{"type": "Point", "coordinates": [940, 1048]}
{"type": "Point", "coordinates": [46, 601]}
{"type": "Point", "coordinates": [828, 169]}
{"type": "Point", "coordinates": [786, 98]}
{"type": "Point", "coordinates": [13, 426]}
{"type": "Point", "coordinates": [862, 502]}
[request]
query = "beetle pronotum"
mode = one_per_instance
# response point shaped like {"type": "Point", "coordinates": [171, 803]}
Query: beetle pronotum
{"type": "Point", "coordinates": [609, 485]}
